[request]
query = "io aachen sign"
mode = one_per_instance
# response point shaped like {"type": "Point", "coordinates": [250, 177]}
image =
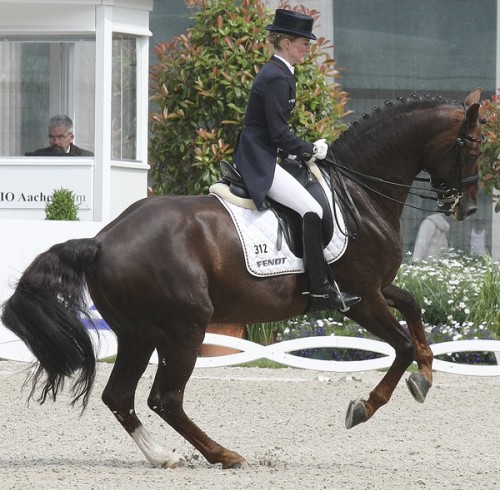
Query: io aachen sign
{"type": "Point", "coordinates": [31, 187]}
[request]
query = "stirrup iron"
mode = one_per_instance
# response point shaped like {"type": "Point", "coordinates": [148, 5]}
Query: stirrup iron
{"type": "Point", "coordinates": [344, 307]}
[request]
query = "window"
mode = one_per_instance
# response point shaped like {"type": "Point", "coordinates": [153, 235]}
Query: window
{"type": "Point", "coordinates": [38, 79]}
{"type": "Point", "coordinates": [124, 98]}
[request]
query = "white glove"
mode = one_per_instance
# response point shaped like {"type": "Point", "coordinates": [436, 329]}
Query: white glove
{"type": "Point", "coordinates": [320, 149]}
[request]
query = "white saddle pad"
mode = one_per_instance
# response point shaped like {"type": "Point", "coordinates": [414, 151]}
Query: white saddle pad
{"type": "Point", "coordinates": [265, 254]}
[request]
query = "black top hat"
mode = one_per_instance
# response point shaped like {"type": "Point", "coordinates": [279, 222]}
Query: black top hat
{"type": "Point", "coordinates": [292, 23]}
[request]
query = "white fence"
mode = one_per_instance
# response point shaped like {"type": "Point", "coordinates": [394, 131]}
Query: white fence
{"type": "Point", "coordinates": [105, 341]}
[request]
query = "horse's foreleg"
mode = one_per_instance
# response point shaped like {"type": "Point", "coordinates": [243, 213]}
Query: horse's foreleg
{"type": "Point", "coordinates": [376, 317]}
{"type": "Point", "coordinates": [166, 399]}
{"type": "Point", "coordinates": [131, 361]}
{"type": "Point", "coordinates": [419, 382]}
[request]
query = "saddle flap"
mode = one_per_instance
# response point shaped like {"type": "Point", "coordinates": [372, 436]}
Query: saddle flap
{"type": "Point", "coordinates": [289, 220]}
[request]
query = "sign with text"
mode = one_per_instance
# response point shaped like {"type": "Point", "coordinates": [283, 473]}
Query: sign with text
{"type": "Point", "coordinates": [32, 186]}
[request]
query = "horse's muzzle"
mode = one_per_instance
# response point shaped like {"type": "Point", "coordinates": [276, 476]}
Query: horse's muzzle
{"type": "Point", "coordinates": [465, 208]}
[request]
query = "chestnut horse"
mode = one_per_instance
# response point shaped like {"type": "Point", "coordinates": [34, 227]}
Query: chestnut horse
{"type": "Point", "coordinates": [168, 266]}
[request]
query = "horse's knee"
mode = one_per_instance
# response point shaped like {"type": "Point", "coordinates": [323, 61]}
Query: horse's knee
{"type": "Point", "coordinates": [412, 307]}
{"type": "Point", "coordinates": [406, 352]}
{"type": "Point", "coordinates": [403, 301]}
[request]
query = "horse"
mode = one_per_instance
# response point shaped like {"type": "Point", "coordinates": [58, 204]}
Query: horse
{"type": "Point", "coordinates": [170, 265]}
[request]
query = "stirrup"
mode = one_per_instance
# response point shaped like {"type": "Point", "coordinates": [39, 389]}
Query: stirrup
{"type": "Point", "coordinates": [344, 307]}
{"type": "Point", "coordinates": [321, 301]}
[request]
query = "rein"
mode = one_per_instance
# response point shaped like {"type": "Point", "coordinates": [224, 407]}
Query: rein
{"type": "Point", "coordinates": [342, 172]}
{"type": "Point", "coordinates": [354, 175]}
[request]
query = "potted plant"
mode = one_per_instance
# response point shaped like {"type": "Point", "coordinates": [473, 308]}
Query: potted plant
{"type": "Point", "coordinates": [62, 206]}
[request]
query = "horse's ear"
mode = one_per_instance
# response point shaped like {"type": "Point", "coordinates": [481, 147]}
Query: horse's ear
{"type": "Point", "coordinates": [472, 115]}
{"type": "Point", "coordinates": [474, 97]}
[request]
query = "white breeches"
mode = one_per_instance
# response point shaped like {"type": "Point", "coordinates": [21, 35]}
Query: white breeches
{"type": "Point", "coordinates": [288, 191]}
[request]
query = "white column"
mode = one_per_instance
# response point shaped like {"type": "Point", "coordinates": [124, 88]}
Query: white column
{"type": "Point", "coordinates": [102, 161]}
{"type": "Point", "coordinates": [142, 99]}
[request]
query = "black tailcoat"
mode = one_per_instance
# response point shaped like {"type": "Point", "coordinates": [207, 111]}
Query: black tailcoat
{"type": "Point", "coordinates": [73, 150]}
{"type": "Point", "coordinates": [266, 129]}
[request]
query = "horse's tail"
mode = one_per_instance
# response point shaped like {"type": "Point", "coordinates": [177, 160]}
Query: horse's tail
{"type": "Point", "coordinates": [46, 311]}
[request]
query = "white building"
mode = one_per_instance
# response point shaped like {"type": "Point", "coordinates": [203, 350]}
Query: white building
{"type": "Point", "coordinates": [87, 59]}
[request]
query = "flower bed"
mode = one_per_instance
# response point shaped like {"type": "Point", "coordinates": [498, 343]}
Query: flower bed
{"type": "Point", "coordinates": [460, 300]}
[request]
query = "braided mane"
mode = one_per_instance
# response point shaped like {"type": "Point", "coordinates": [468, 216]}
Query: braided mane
{"type": "Point", "coordinates": [390, 112]}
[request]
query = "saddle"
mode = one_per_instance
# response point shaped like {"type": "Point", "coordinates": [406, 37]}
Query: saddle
{"type": "Point", "coordinates": [290, 222]}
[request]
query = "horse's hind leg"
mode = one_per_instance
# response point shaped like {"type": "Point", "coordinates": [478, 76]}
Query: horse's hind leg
{"type": "Point", "coordinates": [418, 382]}
{"type": "Point", "coordinates": [175, 366]}
{"type": "Point", "coordinates": [132, 359]}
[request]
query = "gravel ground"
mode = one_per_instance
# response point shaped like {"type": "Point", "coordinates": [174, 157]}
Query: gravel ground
{"type": "Point", "coordinates": [288, 423]}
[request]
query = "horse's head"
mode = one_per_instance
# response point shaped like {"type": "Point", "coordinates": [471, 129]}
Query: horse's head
{"type": "Point", "coordinates": [455, 179]}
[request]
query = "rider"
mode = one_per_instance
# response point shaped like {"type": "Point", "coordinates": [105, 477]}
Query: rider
{"type": "Point", "coordinates": [266, 132]}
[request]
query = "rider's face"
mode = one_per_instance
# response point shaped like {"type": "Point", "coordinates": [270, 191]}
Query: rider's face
{"type": "Point", "coordinates": [296, 50]}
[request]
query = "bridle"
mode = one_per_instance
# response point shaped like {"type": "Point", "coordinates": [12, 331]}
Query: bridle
{"type": "Point", "coordinates": [450, 192]}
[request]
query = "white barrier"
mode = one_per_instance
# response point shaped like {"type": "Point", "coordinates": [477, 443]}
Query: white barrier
{"type": "Point", "coordinates": [105, 341]}
{"type": "Point", "coordinates": [31, 237]}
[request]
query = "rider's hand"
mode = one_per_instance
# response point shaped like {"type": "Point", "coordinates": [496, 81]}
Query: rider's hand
{"type": "Point", "coordinates": [320, 149]}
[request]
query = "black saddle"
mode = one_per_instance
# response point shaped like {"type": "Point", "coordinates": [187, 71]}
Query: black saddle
{"type": "Point", "coordinates": [290, 222]}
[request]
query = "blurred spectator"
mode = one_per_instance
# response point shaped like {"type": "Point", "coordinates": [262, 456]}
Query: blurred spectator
{"type": "Point", "coordinates": [432, 237]}
{"type": "Point", "coordinates": [478, 238]}
{"type": "Point", "coordinates": [61, 138]}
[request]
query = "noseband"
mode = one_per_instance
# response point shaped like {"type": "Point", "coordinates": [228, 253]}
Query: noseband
{"type": "Point", "coordinates": [450, 192]}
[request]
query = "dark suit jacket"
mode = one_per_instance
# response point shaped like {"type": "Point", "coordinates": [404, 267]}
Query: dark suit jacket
{"type": "Point", "coordinates": [73, 150]}
{"type": "Point", "coordinates": [266, 129]}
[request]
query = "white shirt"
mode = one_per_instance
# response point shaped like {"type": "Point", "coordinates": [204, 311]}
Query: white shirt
{"type": "Point", "coordinates": [290, 67]}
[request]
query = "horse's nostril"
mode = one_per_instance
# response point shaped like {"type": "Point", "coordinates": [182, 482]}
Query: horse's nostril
{"type": "Point", "coordinates": [471, 211]}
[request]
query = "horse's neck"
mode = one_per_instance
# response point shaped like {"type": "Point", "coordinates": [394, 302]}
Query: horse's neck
{"type": "Point", "coordinates": [391, 152]}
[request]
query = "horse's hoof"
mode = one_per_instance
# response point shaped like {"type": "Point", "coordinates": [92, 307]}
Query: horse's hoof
{"type": "Point", "coordinates": [239, 465]}
{"type": "Point", "coordinates": [356, 414]}
{"type": "Point", "coordinates": [174, 461]}
{"type": "Point", "coordinates": [418, 386]}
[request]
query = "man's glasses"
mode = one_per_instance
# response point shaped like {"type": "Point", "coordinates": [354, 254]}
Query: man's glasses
{"type": "Point", "coordinates": [59, 137]}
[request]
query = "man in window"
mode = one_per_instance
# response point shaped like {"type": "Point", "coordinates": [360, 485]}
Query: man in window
{"type": "Point", "coordinates": [61, 139]}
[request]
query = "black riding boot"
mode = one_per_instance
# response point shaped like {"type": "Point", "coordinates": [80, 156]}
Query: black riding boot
{"type": "Point", "coordinates": [322, 293]}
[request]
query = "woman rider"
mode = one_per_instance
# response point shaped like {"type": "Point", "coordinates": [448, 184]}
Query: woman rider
{"type": "Point", "coordinates": [266, 132]}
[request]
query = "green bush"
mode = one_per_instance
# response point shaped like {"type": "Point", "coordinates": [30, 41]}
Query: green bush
{"type": "Point", "coordinates": [201, 87]}
{"type": "Point", "coordinates": [490, 158]}
{"type": "Point", "coordinates": [62, 206]}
